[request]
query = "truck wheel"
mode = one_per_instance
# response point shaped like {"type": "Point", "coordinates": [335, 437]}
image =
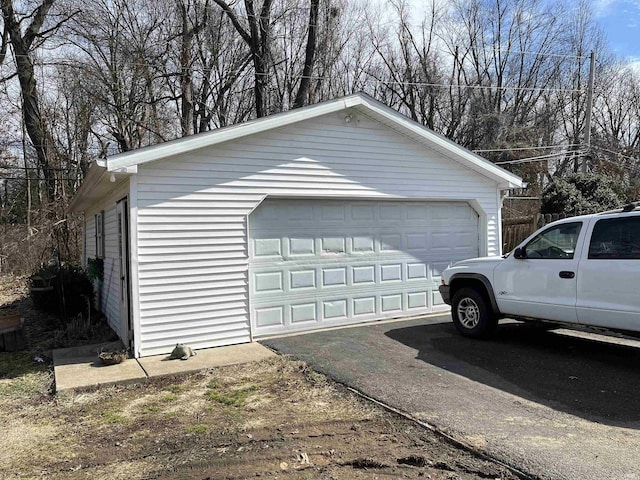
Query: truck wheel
{"type": "Point", "coordinates": [471, 315]}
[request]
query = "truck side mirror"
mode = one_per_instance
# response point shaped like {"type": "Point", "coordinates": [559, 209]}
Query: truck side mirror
{"type": "Point", "coordinates": [520, 253]}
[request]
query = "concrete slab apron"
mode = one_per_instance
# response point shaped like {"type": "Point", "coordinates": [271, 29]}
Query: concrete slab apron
{"type": "Point", "coordinates": [160, 365]}
{"type": "Point", "coordinates": [79, 366]}
{"type": "Point", "coordinates": [525, 400]}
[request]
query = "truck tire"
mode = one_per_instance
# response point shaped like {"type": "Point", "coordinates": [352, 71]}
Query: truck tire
{"type": "Point", "coordinates": [471, 314]}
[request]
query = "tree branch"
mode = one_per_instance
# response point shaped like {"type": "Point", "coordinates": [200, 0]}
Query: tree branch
{"type": "Point", "coordinates": [234, 20]}
{"type": "Point", "coordinates": [4, 45]}
{"type": "Point", "coordinates": [38, 20]}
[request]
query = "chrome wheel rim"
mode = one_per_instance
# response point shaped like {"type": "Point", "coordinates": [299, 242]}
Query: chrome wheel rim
{"type": "Point", "coordinates": [468, 313]}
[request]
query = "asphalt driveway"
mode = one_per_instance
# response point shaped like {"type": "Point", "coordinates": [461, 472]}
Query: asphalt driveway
{"type": "Point", "coordinates": [557, 405]}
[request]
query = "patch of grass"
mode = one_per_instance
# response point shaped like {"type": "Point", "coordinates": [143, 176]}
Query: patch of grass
{"type": "Point", "coordinates": [22, 377]}
{"type": "Point", "coordinates": [315, 378]}
{"type": "Point", "coordinates": [151, 409]}
{"type": "Point", "coordinates": [18, 364]}
{"type": "Point", "coordinates": [213, 383]}
{"type": "Point", "coordinates": [174, 388]}
{"type": "Point", "coordinates": [198, 428]}
{"type": "Point", "coordinates": [234, 398]}
{"type": "Point", "coordinates": [111, 416]}
{"type": "Point", "coordinates": [168, 398]}
{"type": "Point", "coordinates": [171, 414]}
{"type": "Point", "coordinates": [232, 414]}
{"type": "Point", "coordinates": [27, 386]}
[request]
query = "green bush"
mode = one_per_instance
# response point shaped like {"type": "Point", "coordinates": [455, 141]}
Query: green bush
{"type": "Point", "coordinates": [65, 290]}
{"type": "Point", "coordinates": [95, 269]}
{"type": "Point", "coordinates": [583, 193]}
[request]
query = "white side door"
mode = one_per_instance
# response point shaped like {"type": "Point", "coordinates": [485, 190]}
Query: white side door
{"type": "Point", "coordinates": [543, 284]}
{"type": "Point", "coordinates": [607, 284]}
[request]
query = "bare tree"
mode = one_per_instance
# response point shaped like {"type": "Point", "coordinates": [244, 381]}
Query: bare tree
{"type": "Point", "coordinates": [119, 56]}
{"type": "Point", "coordinates": [505, 49]}
{"type": "Point", "coordinates": [24, 33]}
{"type": "Point", "coordinates": [582, 35]}
{"type": "Point", "coordinates": [256, 34]}
{"type": "Point", "coordinates": [411, 64]}
{"type": "Point", "coordinates": [309, 57]}
{"type": "Point", "coordinates": [193, 19]}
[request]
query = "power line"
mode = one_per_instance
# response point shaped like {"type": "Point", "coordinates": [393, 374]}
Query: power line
{"type": "Point", "coordinates": [514, 52]}
{"type": "Point", "coordinates": [542, 157]}
{"type": "Point", "coordinates": [369, 79]}
{"type": "Point", "coordinates": [524, 52]}
{"type": "Point", "coordinates": [616, 153]}
{"type": "Point", "coordinates": [75, 179]}
{"type": "Point", "coordinates": [9, 167]}
{"type": "Point", "coordinates": [539, 147]}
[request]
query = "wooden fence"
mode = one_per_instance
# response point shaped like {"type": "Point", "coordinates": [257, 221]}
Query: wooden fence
{"type": "Point", "coordinates": [516, 229]}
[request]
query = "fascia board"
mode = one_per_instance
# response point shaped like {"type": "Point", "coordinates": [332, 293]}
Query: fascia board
{"type": "Point", "coordinates": [95, 174]}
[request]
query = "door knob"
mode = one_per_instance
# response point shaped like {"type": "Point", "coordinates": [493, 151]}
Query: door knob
{"type": "Point", "coordinates": [567, 274]}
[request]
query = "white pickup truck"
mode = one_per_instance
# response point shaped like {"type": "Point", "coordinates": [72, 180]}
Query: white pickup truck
{"type": "Point", "coordinates": [580, 271]}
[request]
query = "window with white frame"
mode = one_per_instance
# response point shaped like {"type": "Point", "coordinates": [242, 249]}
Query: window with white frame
{"type": "Point", "coordinates": [99, 218]}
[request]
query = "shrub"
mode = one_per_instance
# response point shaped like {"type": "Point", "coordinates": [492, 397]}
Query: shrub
{"type": "Point", "coordinates": [583, 193]}
{"type": "Point", "coordinates": [62, 290]}
{"type": "Point", "coordinates": [95, 269]}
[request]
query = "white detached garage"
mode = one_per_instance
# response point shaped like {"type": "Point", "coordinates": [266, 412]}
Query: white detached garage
{"type": "Point", "coordinates": [333, 214]}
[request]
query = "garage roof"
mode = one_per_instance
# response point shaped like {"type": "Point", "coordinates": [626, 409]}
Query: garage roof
{"type": "Point", "coordinates": [126, 163]}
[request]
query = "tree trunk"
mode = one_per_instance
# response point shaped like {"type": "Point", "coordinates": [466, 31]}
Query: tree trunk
{"type": "Point", "coordinates": [34, 123]}
{"type": "Point", "coordinates": [310, 52]}
{"type": "Point", "coordinates": [186, 87]}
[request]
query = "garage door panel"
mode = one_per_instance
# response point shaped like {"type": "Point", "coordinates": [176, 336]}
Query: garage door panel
{"type": "Point", "coordinates": [416, 271]}
{"type": "Point", "coordinates": [363, 274]}
{"type": "Point", "coordinates": [436, 299]}
{"type": "Point", "coordinates": [302, 279]}
{"type": "Point", "coordinates": [417, 300]}
{"type": "Point", "coordinates": [267, 247]}
{"type": "Point", "coordinates": [289, 279]}
{"type": "Point", "coordinates": [319, 263]}
{"type": "Point", "coordinates": [332, 277]}
{"type": "Point", "coordinates": [303, 313]}
{"type": "Point", "coordinates": [364, 305]}
{"type": "Point", "coordinates": [269, 317]}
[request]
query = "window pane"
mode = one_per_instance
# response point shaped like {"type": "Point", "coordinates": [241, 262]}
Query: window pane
{"type": "Point", "coordinates": [555, 243]}
{"type": "Point", "coordinates": [616, 238]}
{"type": "Point", "coordinates": [99, 230]}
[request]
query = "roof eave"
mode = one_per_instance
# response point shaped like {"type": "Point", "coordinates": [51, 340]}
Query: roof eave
{"type": "Point", "coordinates": [95, 173]}
{"type": "Point", "coordinates": [128, 161]}
{"type": "Point", "coordinates": [259, 125]}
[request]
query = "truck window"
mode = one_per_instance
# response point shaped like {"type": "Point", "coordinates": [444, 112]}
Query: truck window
{"type": "Point", "coordinates": [555, 243]}
{"type": "Point", "coordinates": [615, 239]}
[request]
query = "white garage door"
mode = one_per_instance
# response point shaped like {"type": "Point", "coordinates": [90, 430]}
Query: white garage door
{"type": "Point", "coordinates": [316, 263]}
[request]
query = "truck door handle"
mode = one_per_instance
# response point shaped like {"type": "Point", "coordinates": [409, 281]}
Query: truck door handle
{"type": "Point", "coordinates": [567, 274]}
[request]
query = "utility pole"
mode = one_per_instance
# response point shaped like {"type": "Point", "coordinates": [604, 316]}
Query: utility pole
{"type": "Point", "coordinates": [589, 107]}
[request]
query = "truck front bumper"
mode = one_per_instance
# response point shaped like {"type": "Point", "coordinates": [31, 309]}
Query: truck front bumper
{"type": "Point", "coordinates": [444, 293]}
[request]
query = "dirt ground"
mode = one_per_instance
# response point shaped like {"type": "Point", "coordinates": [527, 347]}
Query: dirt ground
{"type": "Point", "coordinates": [275, 419]}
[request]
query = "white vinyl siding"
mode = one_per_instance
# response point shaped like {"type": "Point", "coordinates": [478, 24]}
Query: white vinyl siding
{"type": "Point", "coordinates": [192, 214]}
{"type": "Point", "coordinates": [110, 292]}
{"type": "Point", "coordinates": [108, 295]}
{"type": "Point", "coordinates": [90, 238]}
